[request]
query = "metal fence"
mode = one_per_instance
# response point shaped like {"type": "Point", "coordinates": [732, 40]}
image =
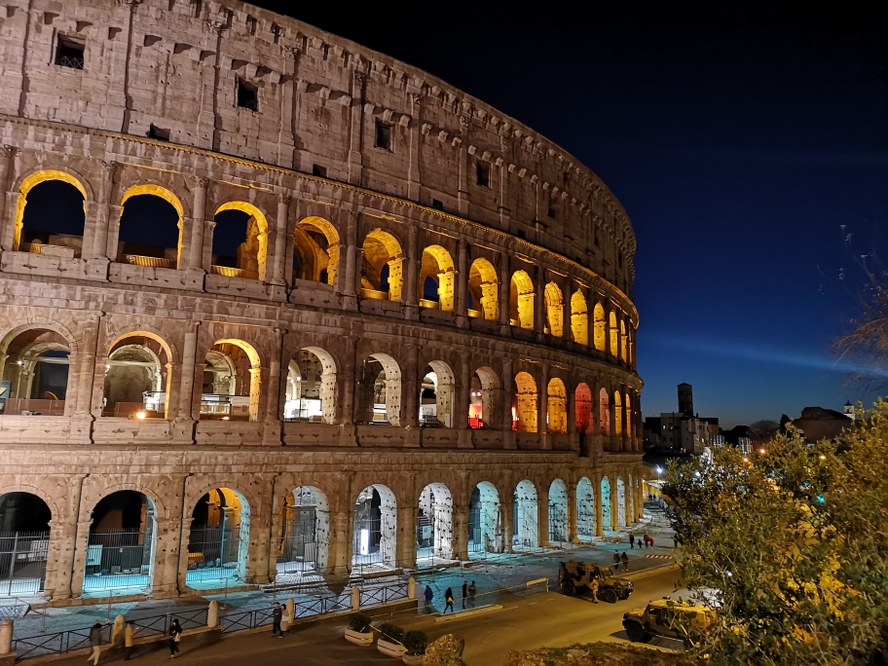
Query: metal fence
{"type": "Point", "coordinates": [22, 562]}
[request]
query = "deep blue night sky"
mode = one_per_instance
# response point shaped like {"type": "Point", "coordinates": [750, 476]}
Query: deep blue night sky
{"type": "Point", "coordinates": [740, 141]}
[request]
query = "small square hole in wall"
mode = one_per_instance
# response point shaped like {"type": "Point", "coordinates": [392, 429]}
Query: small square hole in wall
{"type": "Point", "coordinates": [437, 204]}
{"type": "Point", "coordinates": [383, 135]}
{"type": "Point", "coordinates": [155, 132]}
{"type": "Point", "coordinates": [247, 95]}
{"type": "Point", "coordinates": [69, 53]}
{"type": "Point", "coordinates": [318, 170]}
{"type": "Point", "coordinates": [482, 174]}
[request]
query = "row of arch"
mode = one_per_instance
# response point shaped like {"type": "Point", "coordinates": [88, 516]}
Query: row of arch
{"type": "Point", "coordinates": [151, 231]}
{"type": "Point", "coordinates": [121, 548]}
{"type": "Point", "coordinates": [140, 371]}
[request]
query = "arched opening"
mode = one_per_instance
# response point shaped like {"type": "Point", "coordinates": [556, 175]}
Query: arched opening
{"type": "Point", "coordinates": [599, 327]}
{"type": "Point", "coordinates": [618, 414]}
{"type": "Point", "coordinates": [603, 413]}
{"type": "Point", "coordinates": [434, 525]}
{"type": "Point", "coordinates": [579, 319]}
{"type": "Point", "coordinates": [606, 504]}
{"type": "Point", "coordinates": [614, 347]}
{"type": "Point", "coordinates": [524, 407]}
{"type": "Point", "coordinates": [585, 510]}
{"type": "Point", "coordinates": [379, 391]}
{"type": "Point", "coordinates": [218, 540]}
{"type": "Point", "coordinates": [628, 412]}
{"type": "Point", "coordinates": [311, 391]}
{"type": "Point", "coordinates": [382, 267]}
{"type": "Point", "coordinates": [24, 543]}
{"type": "Point", "coordinates": [137, 378]}
{"type": "Point", "coordinates": [240, 241]}
{"type": "Point", "coordinates": [50, 215]}
{"type": "Point", "coordinates": [436, 396]}
{"type": "Point", "coordinates": [525, 516]}
{"type": "Point", "coordinates": [621, 502]}
{"type": "Point", "coordinates": [315, 251]}
{"type": "Point", "coordinates": [150, 228]}
{"type": "Point", "coordinates": [305, 535]}
{"type": "Point", "coordinates": [437, 279]}
{"type": "Point", "coordinates": [624, 352]}
{"type": "Point", "coordinates": [583, 400]}
{"type": "Point", "coordinates": [557, 512]}
{"type": "Point", "coordinates": [521, 294]}
{"type": "Point", "coordinates": [483, 291]}
{"type": "Point", "coordinates": [554, 310]}
{"type": "Point", "coordinates": [231, 382]}
{"type": "Point", "coordinates": [482, 407]}
{"type": "Point", "coordinates": [35, 367]}
{"type": "Point", "coordinates": [485, 522]}
{"type": "Point", "coordinates": [556, 406]}
{"type": "Point", "coordinates": [122, 542]}
{"type": "Point", "coordinates": [630, 491]}
{"type": "Point", "coordinates": [375, 528]}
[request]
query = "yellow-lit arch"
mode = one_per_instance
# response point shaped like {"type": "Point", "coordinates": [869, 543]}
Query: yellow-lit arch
{"type": "Point", "coordinates": [555, 310]}
{"type": "Point", "coordinates": [438, 265]}
{"type": "Point", "coordinates": [262, 230]}
{"type": "Point", "coordinates": [598, 323]}
{"type": "Point", "coordinates": [31, 181]}
{"type": "Point", "coordinates": [579, 318]}
{"type": "Point", "coordinates": [322, 255]}
{"type": "Point", "coordinates": [381, 248]}
{"type": "Point", "coordinates": [618, 413]}
{"type": "Point", "coordinates": [246, 347]}
{"type": "Point", "coordinates": [526, 399]}
{"type": "Point", "coordinates": [521, 295]}
{"type": "Point", "coordinates": [483, 285]}
{"type": "Point", "coordinates": [556, 406]}
{"type": "Point", "coordinates": [156, 191]}
{"type": "Point", "coordinates": [614, 335]}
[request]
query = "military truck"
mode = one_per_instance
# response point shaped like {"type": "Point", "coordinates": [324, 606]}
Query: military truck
{"type": "Point", "coordinates": [575, 578]}
{"type": "Point", "coordinates": [666, 617]}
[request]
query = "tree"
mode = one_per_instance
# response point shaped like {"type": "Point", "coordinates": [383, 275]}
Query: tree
{"type": "Point", "coordinates": [790, 544]}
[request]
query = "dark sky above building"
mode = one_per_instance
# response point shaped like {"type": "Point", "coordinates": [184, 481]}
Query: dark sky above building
{"type": "Point", "coordinates": [746, 143]}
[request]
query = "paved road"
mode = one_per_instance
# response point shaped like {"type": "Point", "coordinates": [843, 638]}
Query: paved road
{"type": "Point", "coordinates": [525, 622]}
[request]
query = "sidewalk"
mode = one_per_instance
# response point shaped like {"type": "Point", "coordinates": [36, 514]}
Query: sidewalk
{"type": "Point", "coordinates": [497, 577]}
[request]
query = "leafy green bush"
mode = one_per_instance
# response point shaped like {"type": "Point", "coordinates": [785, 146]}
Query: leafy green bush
{"type": "Point", "coordinates": [416, 642]}
{"type": "Point", "coordinates": [359, 622]}
{"type": "Point", "coordinates": [391, 632]}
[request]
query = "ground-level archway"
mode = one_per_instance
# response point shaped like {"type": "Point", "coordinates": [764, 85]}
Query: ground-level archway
{"type": "Point", "coordinates": [305, 534]}
{"type": "Point", "coordinates": [557, 512]}
{"type": "Point", "coordinates": [621, 502]}
{"type": "Point", "coordinates": [485, 521]}
{"type": "Point", "coordinates": [375, 528]}
{"type": "Point", "coordinates": [434, 524]}
{"type": "Point", "coordinates": [606, 522]}
{"type": "Point", "coordinates": [586, 525]}
{"type": "Point", "coordinates": [525, 516]}
{"type": "Point", "coordinates": [24, 543]}
{"type": "Point", "coordinates": [218, 540]}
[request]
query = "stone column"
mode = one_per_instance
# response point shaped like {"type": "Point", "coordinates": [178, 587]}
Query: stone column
{"type": "Point", "coordinates": [462, 283]}
{"type": "Point", "coordinates": [356, 128]}
{"type": "Point", "coordinates": [340, 549]}
{"type": "Point", "coordinates": [194, 254]}
{"type": "Point", "coordinates": [505, 284]}
{"type": "Point", "coordinates": [508, 391]}
{"type": "Point", "coordinates": [188, 411]}
{"type": "Point", "coordinates": [460, 527]}
{"type": "Point", "coordinates": [572, 529]}
{"type": "Point", "coordinates": [85, 377]}
{"type": "Point", "coordinates": [258, 564]}
{"type": "Point", "coordinates": [507, 502]}
{"type": "Point", "coordinates": [461, 400]}
{"type": "Point", "coordinates": [543, 517]}
{"type": "Point", "coordinates": [411, 274]}
{"type": "Point", "coordinates": [281, 233]}
{"type": "Point", "coordinates": [539, 304]}
{"type": "Point", "coordinates": [9, 203]}
{"type": "Point", "coordinates": [406, 547]}
{"type": "Point", "coordinates": [62, 534]}
{"type": "Point", "coordinates": [614, 502]}
{"type": "Point", "coordinates": [100, 221]}
{"type": "Point", "coordinates": [410, 387]}
{"type": "Point", "coordinates": [462, 159]}
{"type": "Point", "coordinates": [414, 177]}
{"type": "Point", "coordinates": [599, 504]}
{"type": "Point", "coordinates": [545, 440]}
{"type": "Point", "coordinates": [347, 278]}
{"type": "Point", "coordinates": [273, 391]}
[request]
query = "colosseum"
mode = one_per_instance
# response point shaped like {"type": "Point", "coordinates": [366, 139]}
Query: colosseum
{"type": "Point", "coordinates": [275, 304]}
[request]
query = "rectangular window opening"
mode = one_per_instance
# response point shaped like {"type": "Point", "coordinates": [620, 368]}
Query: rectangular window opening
{"type": "Point", "coordinates": [482, 174]}
{"type": "Point", "coordinates": [69, 53]}
{"type": "Point", "coordinates": [318, 170]}
{"type": "Point", "coordinates": [437, 204]}
{"type": "Point", "coordinates": [155, 132]}
{"type": "Point", "coordinates": [383, 135]}
{"type": "Point", "coordinates": [247, 95]}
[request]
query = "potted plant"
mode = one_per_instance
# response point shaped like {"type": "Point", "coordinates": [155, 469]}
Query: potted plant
{"type": "Point", "coordinates": [359, 630]}
{"type": "Point", "coordinates": [390, 640]}
{"type": "Point", "coordinates": [416, 642]}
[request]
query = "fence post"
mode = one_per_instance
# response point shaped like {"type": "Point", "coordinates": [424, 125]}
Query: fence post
{"type": "Point", "coordinates": [213, 614]}
{"type": "Point", "coordinates": [290, 610]}
{"type": "Point", "coordinates": [356, 598]}
{"type": "Point", "coordinates": [411, 588]}
{"type": "Point", "coordinates": [6, 637]}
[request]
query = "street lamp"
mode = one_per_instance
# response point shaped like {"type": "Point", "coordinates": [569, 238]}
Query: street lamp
{"type": "Point", "coordinates": [659, 471]}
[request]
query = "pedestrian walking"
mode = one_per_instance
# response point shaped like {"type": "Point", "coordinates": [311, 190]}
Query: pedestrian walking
{"type": "Point", "coordinates": [277, 614]}
{"type": "Point", "coordinates": [647, 540]}
{"type": "Point", "coordinates": [465, 593]}
{"type": "Point", "coordinates": [175, 637]}
{"type": "Point", "coordinates": [631, 541]}
{"type": "Point", "coordinates": [472, 590]}
{"type": "Point", "coordinates": [129, 640]}
{"type": "Point", "coordinates": [448, 600]}
{"type": "Point", "coordinates": [95, 640]}
{"type": "Point", "coordinates": [625, 560]}
{"type": "Point", "coordinates": [429, 595]}
{"type": "Point", "coordinates": [675, 541]}
{"type": "Point", "coordinates": [651, 541]}
{"type": "Point", "coordinates": [593, 587]}
{"type": "Point", "coordinates": [616, 561]}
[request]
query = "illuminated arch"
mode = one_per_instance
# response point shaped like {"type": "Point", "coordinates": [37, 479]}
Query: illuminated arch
{"type": "Point", "coordinates": [583, 402]}
{"type": "Point", "coordinates": [624, 352]}
{"type": "Point", "coordinates": [375, 527]}
{"type": "Point", "coordinates": [556, 406]}
{"type": "Point", "coordinates": [525, 516]}
{"type": "Point", "coordinates": [606, 521]}
{"type": "Point", "coordinates": [219, 538]}
{"type": "Point", "coordinates": [554, 310]}
{"type": "Point", "coordinates": [138, 376]}
{"type": "Point", "coordinates": [628, 411]}
{"type": "Point", "coordinates": [382, 269]}
{"type": "Point", "coordinates": [316, 249]}
{"type": "Point", "coordinates": [521, 295]}
{"type": "Point", "coordinates": [311, 389]}
{"type": "Point", "coordinates": [483, 290]}
{"type": "Point", "coordinates": [557, 511]}
{"type": "Point", "coordinates": [485, 520]}
{"type": "Point", "coordinates": [614, 347]}
{"type": "Point", "coordinates": [579, 318]}
{"type": "Point", "coordinates": [618, 413]}
{"type": "Point", "coordinates": [524, 410]}
{"type": "Point", "coordinates": [586, 523]}
{"type": "Point", "coordinates": [603, 412]}
{"type": "Point", "coordinates": [621, 502]}
{"type": "Point", "coordinates": [150, 256]}
{"type": "Point", "coordinates": [226, 375]}
{"type": "Point", "coordinates": [437, 282]}
{"type": "Point", "coordinates": [436, 395]}
{"type": "Point", "coordinates": [434, 522]}
{"type": "Point", "coordinates": [599, 327]}
{"type": "Point", "coordinates": [252, 254]}
{"type": "Point", "coordinates": [31, 181]}
{"type": "Point", "coordinates": [379, 399]}
{"type": "Point", "coordinates": [304, 542]}
{"type": "Point", "coordinates": [482, 400]}
{"type": "Point", "coordinates": [35, 361]}
{"type": "Point", "coordinates": [26, 535]}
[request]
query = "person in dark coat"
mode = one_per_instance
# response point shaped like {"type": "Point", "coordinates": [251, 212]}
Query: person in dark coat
{"type": "Point", "coordinates": [625, 560]}
{"type": "Point", "coordinates": [277, 614]}
{"type": "Point", "coordinates": [175, 635]}
{"type": "Point", "coordinates": [95, 640]}
{"type": "Point", "coordinates": [448, 599]}
{"type": "Point", "coordinates": [631, 541]}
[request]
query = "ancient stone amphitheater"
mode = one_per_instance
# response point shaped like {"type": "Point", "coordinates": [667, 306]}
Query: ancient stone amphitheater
{"type": "Point", "coordinates": [274, 304]}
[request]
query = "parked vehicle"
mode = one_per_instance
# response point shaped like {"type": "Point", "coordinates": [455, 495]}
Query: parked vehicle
{"type": "Point", "coordinates": [666, 617]}
{"type": "Point", "coordinates": [575, 579]}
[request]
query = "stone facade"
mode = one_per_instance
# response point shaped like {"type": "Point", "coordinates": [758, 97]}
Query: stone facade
{"type": "Point", "coordinates": [425, 294]}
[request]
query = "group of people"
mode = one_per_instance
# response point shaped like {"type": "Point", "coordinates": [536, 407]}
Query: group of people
{"type": "Point", "coordinates": [621, 560]}
{"type": "Point", "coordinates": [468, 596]}
{"type": "Point", "coordinates": [647, 539]}
{"type": "Point", "coordinates": [126, 638]}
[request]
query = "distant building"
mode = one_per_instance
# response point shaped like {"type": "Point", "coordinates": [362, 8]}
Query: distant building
{"type": "Point", "coordinates": [682, 432]}
{"type": "Point", "coordinates": [818, 423]}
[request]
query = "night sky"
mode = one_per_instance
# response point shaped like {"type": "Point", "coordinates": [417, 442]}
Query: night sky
{"type": "Point", "coordinates": [746, 144]}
